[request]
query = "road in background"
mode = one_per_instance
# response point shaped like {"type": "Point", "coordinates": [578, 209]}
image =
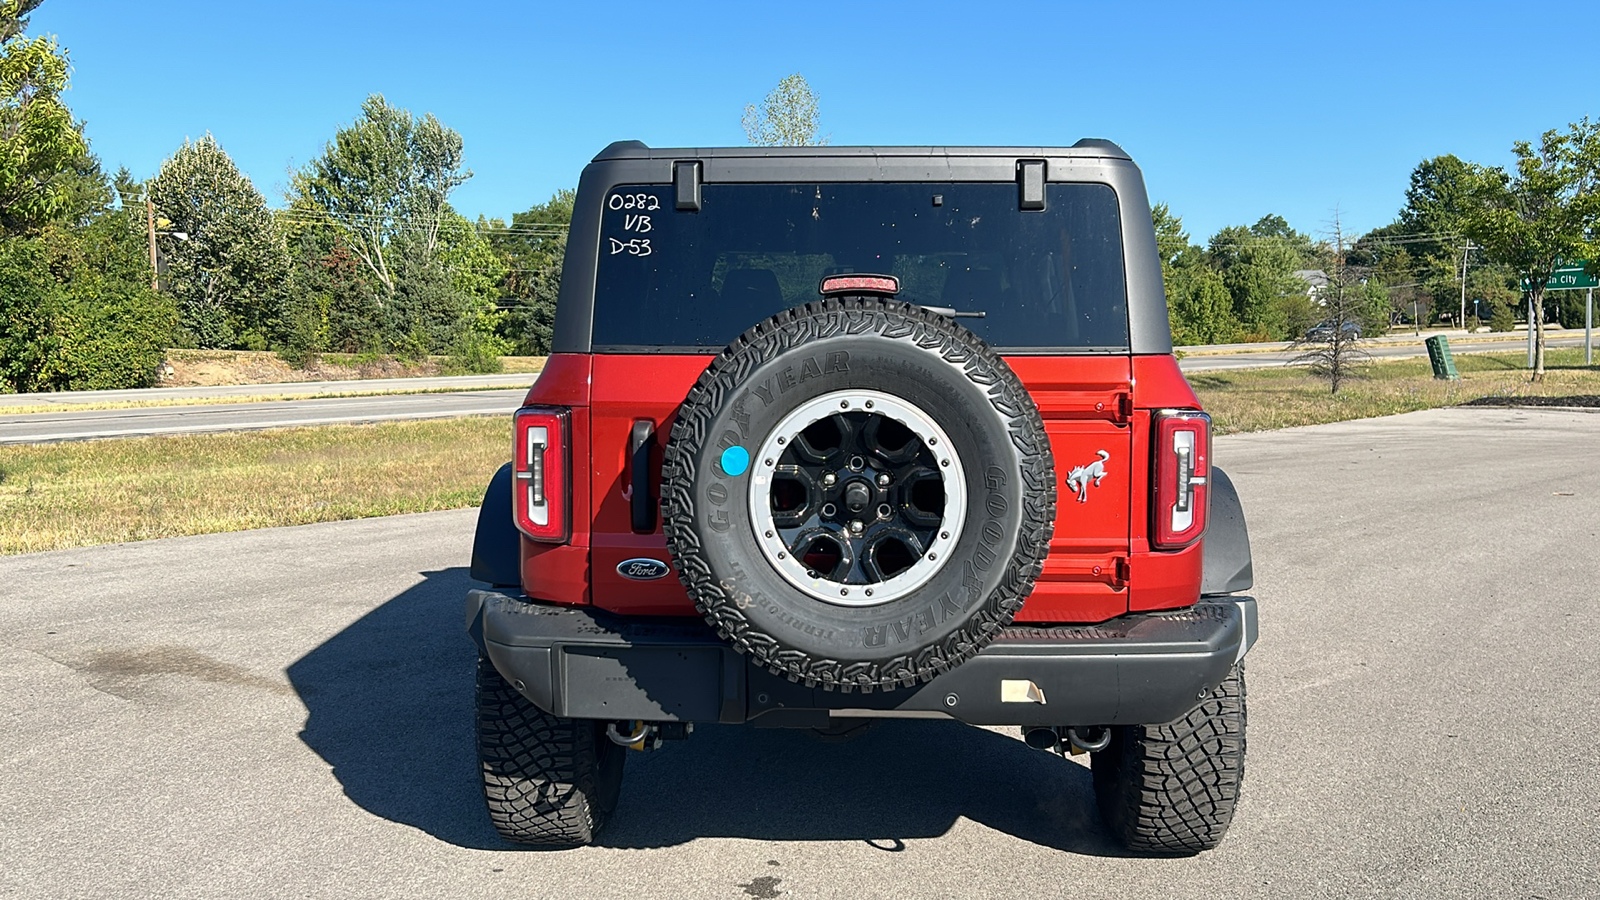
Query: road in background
{"type": "Point", "coordinates": [1201, 359]}
{"type": "Point", "coordinates": [44, 427]}
{"type": "Point", "coordinates": [36, 428]}
{"type": "Point", "coordinates": [281, 389]}
{"type": "Point", "coordinates": [289, 713]}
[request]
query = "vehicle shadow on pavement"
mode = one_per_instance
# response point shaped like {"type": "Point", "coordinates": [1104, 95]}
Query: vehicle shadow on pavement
{"type": "Point", "coordinates": [389, 704]}
{"type": "Point", "coordinates": [390, 709]}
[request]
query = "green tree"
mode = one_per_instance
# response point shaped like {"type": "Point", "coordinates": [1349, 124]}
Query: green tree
{"type": "Point", "coordinates": [787, 117]}
{"type": "Point", "coordinates": [77, 308]}
{"type": "Point", "coordinates": [1257, 265]}
{"type": "Point", "coordinates": [112, 329]}
{"type": "Point", "coordinates": [40, 144]}
{"type": "Point", "coordinates": [1543, 212]}
{"type": "Point", "coordinates": [1489, 292]}
{"type": "Point", "coordinates": [1199, 308]}
{"type": "Point", "coordinates": [383, 185]}
{"type": "Point", "coordinates": [533, 248]}
{"type": "Point", "coordinates": [1436, 200]}
{"type": "Point", "coordinates": [226, 258]}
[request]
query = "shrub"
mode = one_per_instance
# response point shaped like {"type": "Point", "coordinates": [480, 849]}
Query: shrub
{"type": "Point", "coordinates": [473, 356]}
{"type": "Point", "coordinates": [1501, 318]}
{"type": "Point", "coordinates": [115, 338]}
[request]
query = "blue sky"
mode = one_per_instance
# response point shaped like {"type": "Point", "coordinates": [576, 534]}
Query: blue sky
{"type": "Point", "coordinates": [1233, 110]}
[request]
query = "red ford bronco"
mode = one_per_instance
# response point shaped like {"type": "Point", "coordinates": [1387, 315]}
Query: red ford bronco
{"type": "Point", "coordinates": [845, 433]}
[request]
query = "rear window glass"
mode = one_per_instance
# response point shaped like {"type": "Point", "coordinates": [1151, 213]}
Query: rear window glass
{"type": "Point", "coordinates": [1050, 279]}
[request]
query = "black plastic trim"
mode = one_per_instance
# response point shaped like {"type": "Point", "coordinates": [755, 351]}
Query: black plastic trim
{"type": "Point", "coordinates": [1095, 161]}
{"type": "Point", "coordinates": [686, 185]}
{"type": "Point", "coordinates": [1226, 563]}
{"type": "Point", "coordinates": [585, 663]}
{"type": "Point", "coordinates": [497, 544]}
{"type": "Point", "coordinates": [643, 505]}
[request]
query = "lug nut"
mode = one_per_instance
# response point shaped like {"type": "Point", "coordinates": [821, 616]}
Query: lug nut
{"type": "Point", "coordinates": [883, 479]}
{"type": "Point", "coordinates": [856, 526]}
{"type": "Point", "coordinates": [829, 478]}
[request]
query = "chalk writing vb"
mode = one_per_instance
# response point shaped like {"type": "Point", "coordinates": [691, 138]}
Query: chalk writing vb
{"type": "Point", "coordinates": [637, 222]}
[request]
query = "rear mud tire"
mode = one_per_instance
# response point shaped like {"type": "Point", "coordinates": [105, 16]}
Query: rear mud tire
{"type": "Point", "coordinates": [1170, 790]}
{"type": "Point", "coordinates": [944, 372]}
{"type": "Point", "coordinates": [548, 781]}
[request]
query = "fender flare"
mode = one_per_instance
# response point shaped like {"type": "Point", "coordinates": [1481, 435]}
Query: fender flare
{"type": "Point", "coordinates": [1226, 561]}
{"type": "Point", "coordinates": [497, 545]}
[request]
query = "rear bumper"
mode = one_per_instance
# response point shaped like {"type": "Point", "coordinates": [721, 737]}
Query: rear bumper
{"type": "Point", "coordinates": [589, 664]}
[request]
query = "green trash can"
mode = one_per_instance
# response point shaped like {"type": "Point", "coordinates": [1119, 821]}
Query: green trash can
{"type": "Point", "coordinates": [1444, 365]}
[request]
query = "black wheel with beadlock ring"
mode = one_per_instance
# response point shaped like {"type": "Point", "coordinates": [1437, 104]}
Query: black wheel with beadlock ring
{"type": "Point", "coordinates": [858, 493]}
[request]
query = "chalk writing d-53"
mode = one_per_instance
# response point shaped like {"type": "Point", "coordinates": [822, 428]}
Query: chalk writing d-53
{"type": "Point", "coordinates": [637, 246]}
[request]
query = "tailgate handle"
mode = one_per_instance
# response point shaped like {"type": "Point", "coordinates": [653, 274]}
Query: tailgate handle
{"type": "Point", "coordinates": [644, 507]}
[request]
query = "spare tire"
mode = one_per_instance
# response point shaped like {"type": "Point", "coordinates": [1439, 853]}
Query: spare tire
{"type": "Point", "coordinates": [858, 494]}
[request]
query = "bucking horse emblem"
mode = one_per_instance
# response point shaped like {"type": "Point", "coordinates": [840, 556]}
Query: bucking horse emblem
{"type": "Point", "coordinates": [1081, 477]}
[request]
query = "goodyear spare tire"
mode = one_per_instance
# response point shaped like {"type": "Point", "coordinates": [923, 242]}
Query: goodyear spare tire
{"type": "Point", "coordinates": [858, 494]}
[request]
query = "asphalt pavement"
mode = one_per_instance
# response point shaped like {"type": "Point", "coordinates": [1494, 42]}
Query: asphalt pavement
{"type": "Point", "coordinates": [288, 713]}
{"type": "Point", "coordinates": [46, 427]}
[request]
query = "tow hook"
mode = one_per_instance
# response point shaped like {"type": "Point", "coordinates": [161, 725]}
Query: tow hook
{"type": "Point", "coordinates": [1074, 740]}
{"type": "Point", "coordinates": [637, 735]}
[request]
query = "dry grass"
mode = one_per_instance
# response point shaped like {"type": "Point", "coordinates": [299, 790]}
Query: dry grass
{"type": "Point", "coordinates": [1281, 397]}
{"type": "Point", "coordinates": [192, 368]}
{"type": "Point", "coordinates": [212, 401]}
{"type": "Point", "coordinates": [77, 494]}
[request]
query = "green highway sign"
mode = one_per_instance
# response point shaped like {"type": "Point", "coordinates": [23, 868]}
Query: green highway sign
{"type": "Point", "coordinates": [1568, 278]}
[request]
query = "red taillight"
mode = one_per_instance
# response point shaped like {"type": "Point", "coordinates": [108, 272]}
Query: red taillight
{"type": "Point", "coordinates": [859, 284]}
{"type": "Point", "coordinates": [541, 491]}
{"type": "Point", "coordinates": [1182, 497]}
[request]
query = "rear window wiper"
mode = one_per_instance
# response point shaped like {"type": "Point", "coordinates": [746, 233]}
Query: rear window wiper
{"type": "Point", "coordinates": [953, 313]}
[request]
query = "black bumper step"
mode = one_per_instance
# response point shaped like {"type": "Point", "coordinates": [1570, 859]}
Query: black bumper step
{"type": "Point", "coordinates": [589, 664]}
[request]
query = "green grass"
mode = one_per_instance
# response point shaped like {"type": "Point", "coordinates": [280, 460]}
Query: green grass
{"type": "Point", "coordinates": [78, 494]}
{"type": "Point", "coordinates": [1281, 397]}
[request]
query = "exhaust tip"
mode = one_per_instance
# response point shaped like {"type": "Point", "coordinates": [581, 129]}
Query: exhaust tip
{"type": "Point", "coordinates": [1041, 738]}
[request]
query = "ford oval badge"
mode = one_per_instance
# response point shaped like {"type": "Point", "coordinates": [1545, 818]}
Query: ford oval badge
{"type": "Point", "coordinates": [642, 569]}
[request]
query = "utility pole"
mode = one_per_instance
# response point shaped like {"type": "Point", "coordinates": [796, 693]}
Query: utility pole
{"type": "Point", "coordinates": [1588, 330]}
{"type": "Point", "coordinates": [150, 218]}
{"type": "Point", "coordinates": [1464, 251]}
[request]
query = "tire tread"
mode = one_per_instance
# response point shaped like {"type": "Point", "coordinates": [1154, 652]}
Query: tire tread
{"type": "Point", "coordinates": [547, 780]}
{"type": "Point", "coordinates": [1172, 789]}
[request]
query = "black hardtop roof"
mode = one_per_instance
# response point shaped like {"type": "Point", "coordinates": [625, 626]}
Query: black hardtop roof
{"type": "Point", "coordinates": [1094, 148]}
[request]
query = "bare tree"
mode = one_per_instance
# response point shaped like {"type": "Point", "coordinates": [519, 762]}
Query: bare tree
{"type": "Point", "coordinates": [786, 118]}
{"type": "Point", "coordinates": [1333, 348]}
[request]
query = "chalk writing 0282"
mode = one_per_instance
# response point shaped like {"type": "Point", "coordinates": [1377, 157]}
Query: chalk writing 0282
{"type": "Point", "coordinates": [646, 202]}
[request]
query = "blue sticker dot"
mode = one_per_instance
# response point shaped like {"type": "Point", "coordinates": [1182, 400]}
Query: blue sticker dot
{"type": "Point", "coordinates": [735, 460]}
